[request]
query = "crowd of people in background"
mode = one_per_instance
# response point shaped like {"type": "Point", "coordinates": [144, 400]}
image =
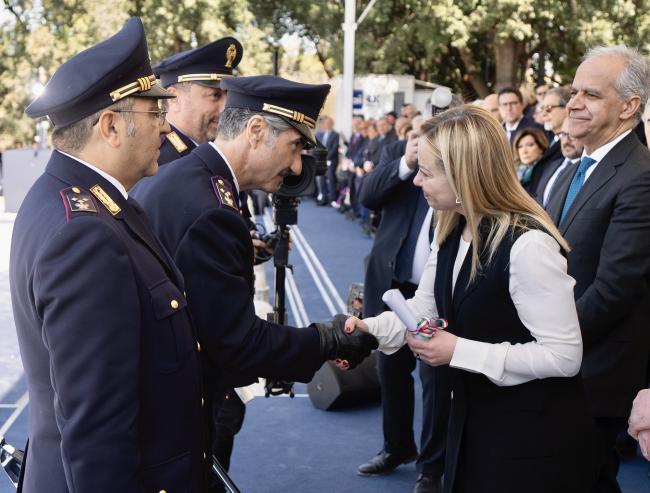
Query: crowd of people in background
{"type": "Point", "coordinates": [532, 120]}
{"type": "Point", "coordinates": [350, 159]}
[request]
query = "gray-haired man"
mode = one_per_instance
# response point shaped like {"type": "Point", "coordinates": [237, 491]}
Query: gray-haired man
{"type": "Point", "coordinates": [602, 208]}
{"type": "Point", "coordinates": [193, 204]}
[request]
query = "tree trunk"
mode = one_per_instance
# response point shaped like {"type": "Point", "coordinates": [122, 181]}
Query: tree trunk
{"type": "Point", "coordinates": [322, 58]}
{"type": "Point", "coordinates": [472, 74]}
{"type": "Point", "coordinates": [507, 54]}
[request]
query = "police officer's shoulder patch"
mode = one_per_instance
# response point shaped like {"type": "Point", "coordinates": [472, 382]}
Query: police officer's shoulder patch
{"type": "Point", "coordinates": [105, 199]}
{"type": "Point", "coordinates": [76, 200]}
{"type": "Point", "coordinates": [175, 140]}
{"type": "Point", "coordinates": [223, 191]}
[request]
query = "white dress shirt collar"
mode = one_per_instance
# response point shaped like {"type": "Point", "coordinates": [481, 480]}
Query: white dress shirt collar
{"type": "Point", "coordinates": [599, 154]}
{"type": "Point", "coordinates": [113, 181]}
{"type": "Point", "coordinates": [513, 127]}
{"type": "Point", "coordinates": [602, 151]}
{"type": "Point", "coordinates": [225, 160]}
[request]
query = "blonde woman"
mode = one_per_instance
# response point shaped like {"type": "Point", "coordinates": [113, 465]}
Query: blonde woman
{"type": "Point", "coordinates": [498, 275]}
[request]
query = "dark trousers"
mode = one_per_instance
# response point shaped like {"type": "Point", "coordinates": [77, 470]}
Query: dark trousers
{"type": "Point", "coordinates": [607, 429]}
{"type": "Point", "coordinates": [228, 413]}
{"type": "Point", "coordinates": [436, 401]}
{"type": "Point", "coordinates": [397, 399]}
{"type": "Point", "coordinates": [332, 184]}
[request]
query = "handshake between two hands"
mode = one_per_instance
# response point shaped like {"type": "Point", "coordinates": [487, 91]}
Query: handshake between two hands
{"type": "Point", "coordinates": [347, 341]}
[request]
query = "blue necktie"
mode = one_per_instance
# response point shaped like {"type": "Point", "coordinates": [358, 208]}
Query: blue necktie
{"type": "Point", "coordinates": [576, 184]}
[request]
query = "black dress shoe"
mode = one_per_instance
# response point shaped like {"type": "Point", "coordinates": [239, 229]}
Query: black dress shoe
{"type": "Point", "coordinates": [427, 484]}
{"type": "Point", "coordinates": [385, 462]}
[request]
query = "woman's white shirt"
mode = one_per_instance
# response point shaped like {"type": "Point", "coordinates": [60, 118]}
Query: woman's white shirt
{"type": "Point", "coordinates": [542, 293]}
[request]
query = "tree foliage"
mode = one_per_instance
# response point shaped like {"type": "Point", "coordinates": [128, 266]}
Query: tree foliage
{"type": "Point", "coordinates": [474, 46]}
{"type": "Point", "coordinates": [36, 36]}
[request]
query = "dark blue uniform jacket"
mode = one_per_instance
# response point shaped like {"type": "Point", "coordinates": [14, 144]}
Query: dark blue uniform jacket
{"type": "Point", "coordinates": [106, 342]}
{"type": "Point", "coordinates": [193, 206]}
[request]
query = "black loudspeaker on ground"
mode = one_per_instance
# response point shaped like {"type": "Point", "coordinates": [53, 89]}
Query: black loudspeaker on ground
{"type": "Point", "coordinates": [332, 388]}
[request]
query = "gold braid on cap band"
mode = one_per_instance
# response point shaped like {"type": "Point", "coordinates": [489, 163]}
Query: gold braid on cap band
{"type": "Point", "coordinates": [142, 84]}
{"type": "Point", "coordinates": [195, 77]}
{"type": "Point", "coordinates": [287, 113]}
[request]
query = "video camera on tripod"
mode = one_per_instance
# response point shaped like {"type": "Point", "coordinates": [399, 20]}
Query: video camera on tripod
{"type": "Point", "coordinates": [285, 213]}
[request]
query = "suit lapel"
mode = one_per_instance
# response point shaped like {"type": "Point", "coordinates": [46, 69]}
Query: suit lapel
{"type": "Point", "coordinates": [135, 219]}
{"type": "Point", "coordinates": [446, 256]}
{"type": "Point", "coordinates": [601, 175]}
{"type": "Point", "coordinates": [559, 192]}
{"type": "Point", "coordinates": [605, 171]}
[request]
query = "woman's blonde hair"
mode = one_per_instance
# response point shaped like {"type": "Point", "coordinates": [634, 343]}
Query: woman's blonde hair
{"type": "Point", "coordinates": [472, 148]}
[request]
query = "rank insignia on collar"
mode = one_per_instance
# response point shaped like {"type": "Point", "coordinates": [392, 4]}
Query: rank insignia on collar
{"type": "Point", "coordinates": [106, 200]}
{"type": "Point", "coordinates": [78, 201]}
{"type": "Point", "coordinates": [223, 191]}
{"type": "Point", "coordinates": [177, 142]}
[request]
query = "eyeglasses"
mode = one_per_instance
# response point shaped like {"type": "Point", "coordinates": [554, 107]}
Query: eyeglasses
{"type": "Point", "coordinates": [547, 108]}
{"type": "Point", "coordinates": [160, 114]}
{"type": "Point", "coordinates": [563, 135]}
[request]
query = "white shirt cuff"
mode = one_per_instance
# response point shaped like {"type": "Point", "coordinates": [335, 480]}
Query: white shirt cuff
{"type": "Point", "coordinates": [404, 171]}
{"type": "Point", "coordinates": [480, 357]}
{"type": "Point", "coordinates": [390, 334]}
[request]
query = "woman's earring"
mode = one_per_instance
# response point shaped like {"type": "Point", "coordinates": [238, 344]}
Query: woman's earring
{"type": "Point", "coordinates": [457, 199]}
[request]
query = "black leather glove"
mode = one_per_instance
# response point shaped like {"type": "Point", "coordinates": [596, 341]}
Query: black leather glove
{"type": "Point", "coordinates": [336, 343]}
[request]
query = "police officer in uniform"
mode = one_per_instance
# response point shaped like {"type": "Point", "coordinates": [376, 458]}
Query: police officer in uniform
{"type": "Point", "coordinates": [194, 77]}
{"type": "Point", "coordinates": [267, 123]}
{"type": "Point", "coordinates": [110, 355]}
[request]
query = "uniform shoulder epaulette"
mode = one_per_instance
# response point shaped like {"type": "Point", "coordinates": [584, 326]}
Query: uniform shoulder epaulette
{"type": "Point", "coordinates": [106, 200]}
{"type": "Point", "coordinates": [176, 141]}
{"type": "Point", "coordinates": [223, 191]}
{"type": "Point", "coordinates": [76, 200]}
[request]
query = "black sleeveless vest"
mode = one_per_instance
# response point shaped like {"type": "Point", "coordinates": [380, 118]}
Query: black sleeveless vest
{"type": "Point", "coordinates": [487, 420]}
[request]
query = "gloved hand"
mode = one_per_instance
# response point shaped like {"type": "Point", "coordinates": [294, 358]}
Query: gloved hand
{"type": "Point", "coordinates": [335, 343]}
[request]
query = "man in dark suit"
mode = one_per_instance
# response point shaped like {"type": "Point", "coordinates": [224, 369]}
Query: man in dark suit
{"type": "Point", "coordinates": [553, 109]}
{"type": "Point", "coordinates": [267, 123]}
{"type": "Point", "coordinates": [194, 77]}
{"type": "Point", "coordinates": [571, 154]}
{"type": "Point", "coordinates": [354, 158]}
{"type": "Point", "coordinates": [511, 107]}
{"type": "Point", "coordinates": [109, 351]}
{"type": "Point", "coordinates": [329, 138]}
{"type": "Point", "coordinates": [387, 136]}
{"type": "Point", "coordinates": [400, 250]}
{"type": "Point", "coordinates": [355, 144]}
{"type": "Point", "coordinates": [602, 209]}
